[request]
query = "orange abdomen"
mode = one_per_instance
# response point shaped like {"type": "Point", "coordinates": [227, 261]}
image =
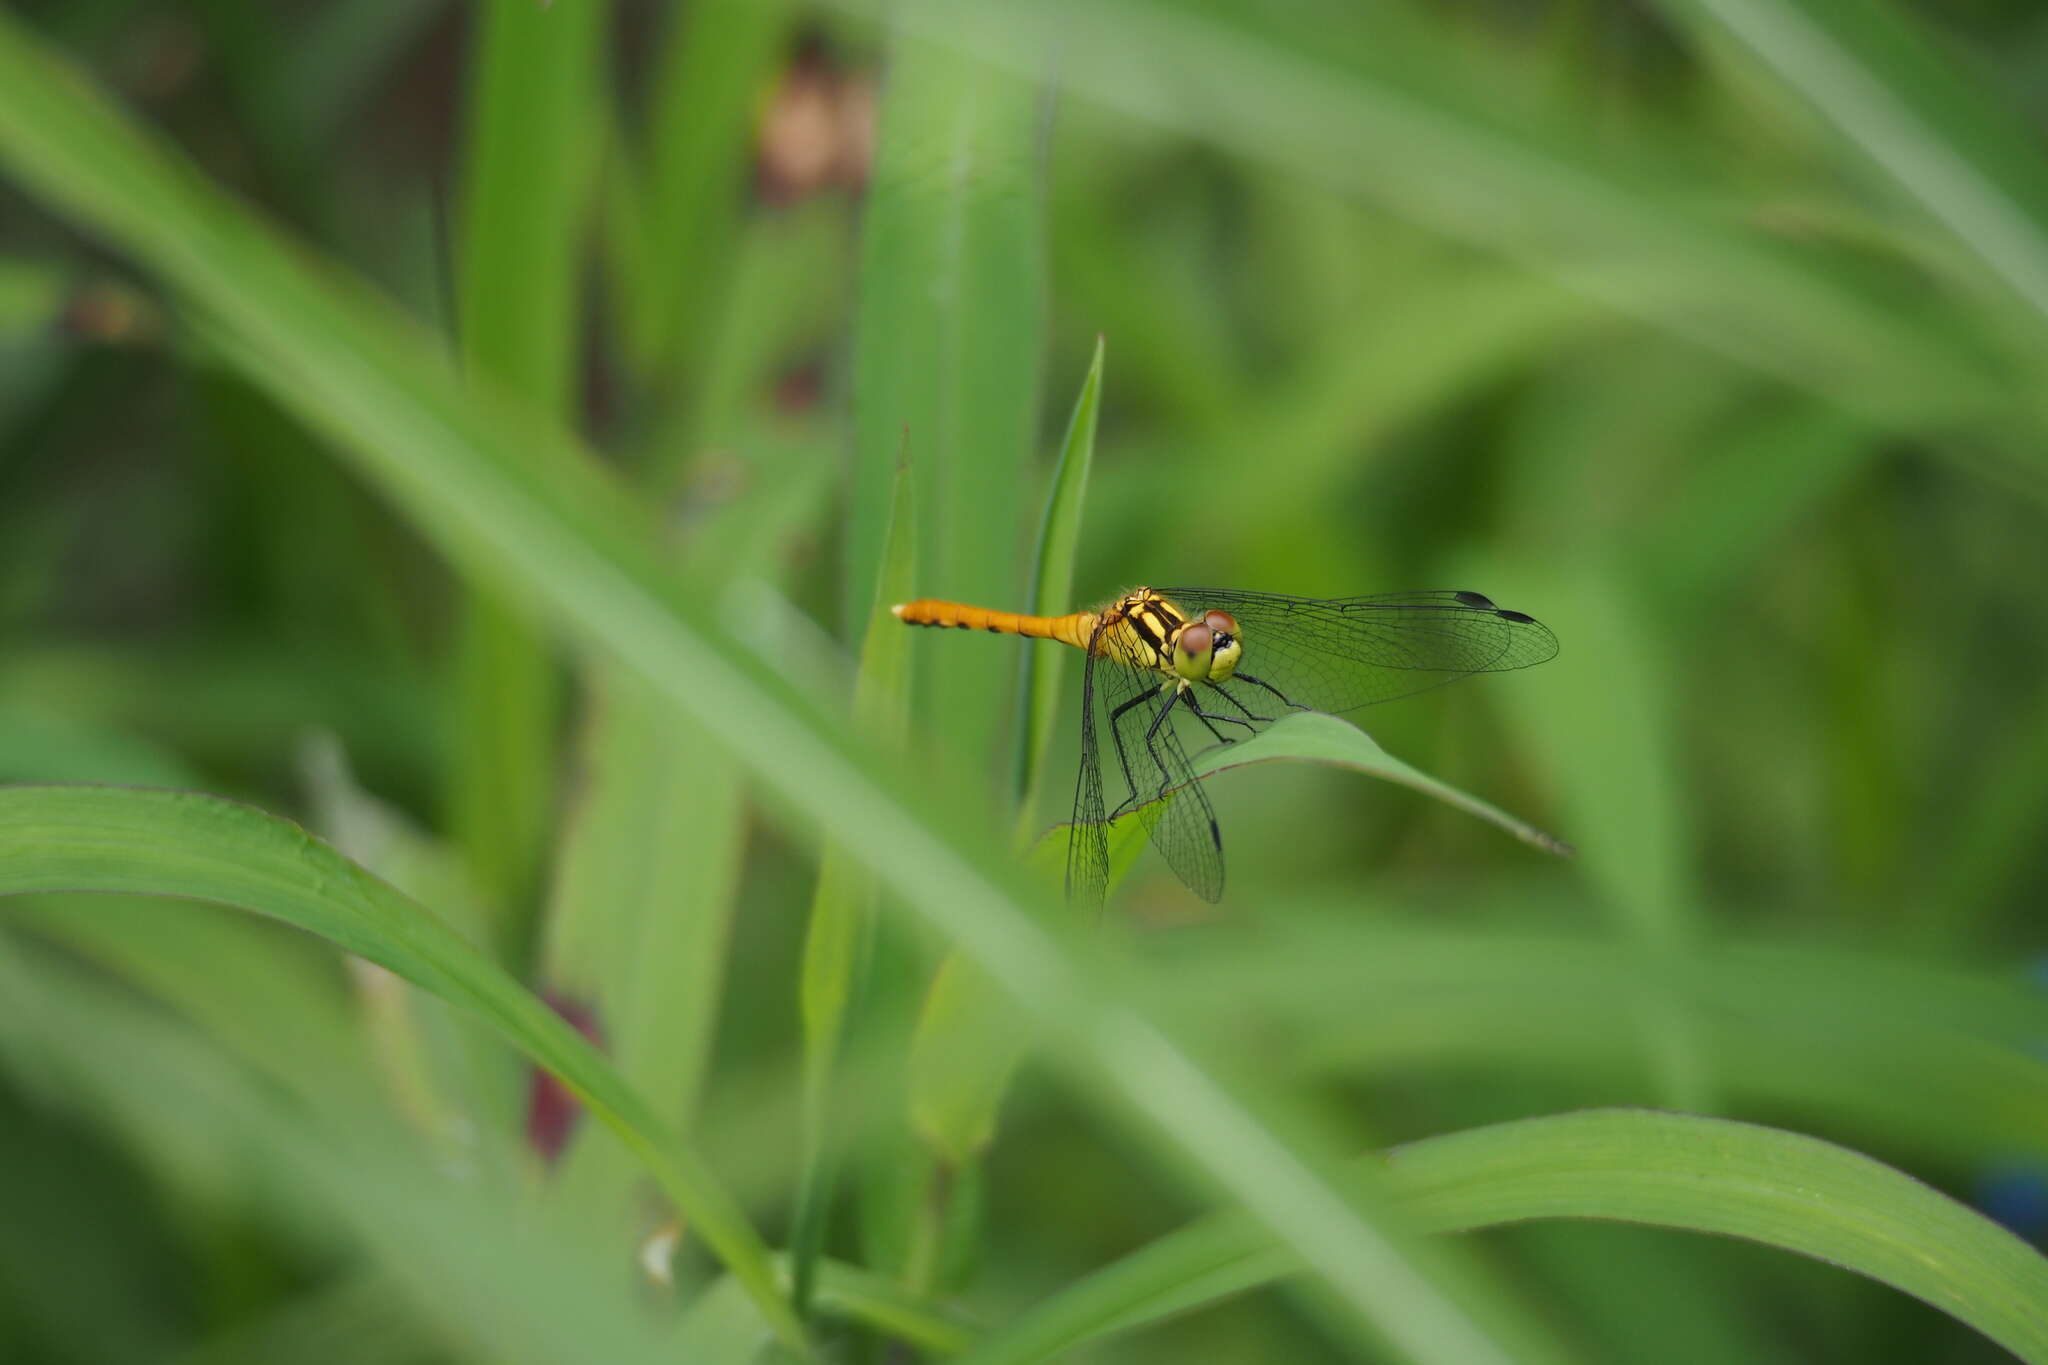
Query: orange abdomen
{"type": "Point", "coordinates": [1072, 629]}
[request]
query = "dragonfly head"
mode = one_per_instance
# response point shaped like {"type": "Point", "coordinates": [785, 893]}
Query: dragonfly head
{"type": "Point", "coordinates": [1208, 649]}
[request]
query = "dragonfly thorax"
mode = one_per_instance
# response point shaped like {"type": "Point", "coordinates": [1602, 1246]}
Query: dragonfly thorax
{"type": "Point", "coordinates": [1145, 631]}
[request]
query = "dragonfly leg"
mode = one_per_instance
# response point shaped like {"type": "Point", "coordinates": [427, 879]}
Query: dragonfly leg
{"type": "Point", "coordinates": [1250, 720]}
{"type": "Point", "coordinates": [1124, 759]}
{"type": "Point", "coordinates": [1207, 717]}
{"type": "Point", "coordinates": [1260, 682]}
{"type": "Point", "coordinates": [1152, 740]}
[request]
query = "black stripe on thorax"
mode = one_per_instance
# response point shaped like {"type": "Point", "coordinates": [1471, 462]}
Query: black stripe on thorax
{"type": "Point", "coordinates": [1155, 622]}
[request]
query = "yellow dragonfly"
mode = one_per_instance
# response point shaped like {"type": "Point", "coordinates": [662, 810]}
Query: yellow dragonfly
{"type": "Point", "coordinates": [1233, 663]}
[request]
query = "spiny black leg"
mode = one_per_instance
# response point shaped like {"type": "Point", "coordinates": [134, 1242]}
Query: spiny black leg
{"type": "Point", "coordinates": [1258, 682]}
{"type": "Point", "coordinates": [1189, 698]}
{"type": "Point", "coordinates": [1152, 741]}
{"type": "Point", "coordinates": [1227, 720]}
{"type": "Point", "coordinates": [1248, 716]}
{"type": "Point", "coordinates": [1122, 757]}
{"type": "Point", "coordinates": [1251, 719]}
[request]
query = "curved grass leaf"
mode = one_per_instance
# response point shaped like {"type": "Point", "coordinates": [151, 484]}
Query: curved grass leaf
{"type": "Point", "coordinates": [1309, 737]}
{"type": "Point", "coordinates": [1315, 738]}
{"type": "Point", "coordinates": [1639, 1166]}
{"type": "Point", "coordinates": [194, 847]}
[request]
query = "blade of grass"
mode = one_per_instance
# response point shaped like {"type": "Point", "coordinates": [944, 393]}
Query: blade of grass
{"type": "Point", "coordinates": [524, 206]}
{"type": "Point", "coordinates": [1639, 1166]}
{"type": "Point", "coordinates": [1052, 584]}
{"type": "Point", "coordinates": [836, 944]}
{"type": "Point", "coordinates": [502, 495]}
{"type": "Point", "coordinates": [1308, 737]}
{"type": "Point", "coordinates": [946, 344]}
{"type": "Point", "coordinates": [203, 848]}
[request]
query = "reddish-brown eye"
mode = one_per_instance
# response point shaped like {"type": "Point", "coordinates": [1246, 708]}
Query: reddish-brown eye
{"type": "Point", "coordinates": [1222, 622]}
{"type": "Point", "coordinates": [1195, 640]}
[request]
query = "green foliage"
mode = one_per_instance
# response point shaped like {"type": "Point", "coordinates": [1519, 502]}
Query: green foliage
{"type": "Point", "coordinates": [479, 433]}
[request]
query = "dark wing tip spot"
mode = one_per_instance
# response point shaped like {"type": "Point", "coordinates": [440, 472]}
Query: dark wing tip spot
{"type": "Point", "coordinates": [1474, 599]}
{"type": "Point", "coordinates": [1517, 617]}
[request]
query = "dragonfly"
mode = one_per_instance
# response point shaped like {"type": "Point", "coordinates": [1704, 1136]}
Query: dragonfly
{"type": "Point", "coordinates": [1169, 665]}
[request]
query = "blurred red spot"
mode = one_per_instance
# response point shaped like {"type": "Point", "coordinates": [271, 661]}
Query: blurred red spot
{"type": "Point", "coordinates": [551, 1111]}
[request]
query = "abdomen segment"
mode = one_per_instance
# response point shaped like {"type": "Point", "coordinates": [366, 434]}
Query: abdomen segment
{"type": "Point", "coordinates": [1073, 629]}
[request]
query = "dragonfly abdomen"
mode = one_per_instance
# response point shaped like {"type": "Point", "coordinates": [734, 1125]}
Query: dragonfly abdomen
{"type": "Point", "coordinates": [1074, 629]}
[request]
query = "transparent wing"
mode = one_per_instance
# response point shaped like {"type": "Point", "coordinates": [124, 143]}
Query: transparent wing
{"type": "Point", "coordinates": [1088, 835]}
{"type": "Point", "coordinates": [1141, 718]}
{"type": "Point", "coordinates": [1338, 654]}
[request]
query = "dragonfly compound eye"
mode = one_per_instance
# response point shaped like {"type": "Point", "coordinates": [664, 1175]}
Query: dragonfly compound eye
{"type": "Point", "coordinates": [1195, 640]}
{"type": "Point", "coordinates": [1222, 622]}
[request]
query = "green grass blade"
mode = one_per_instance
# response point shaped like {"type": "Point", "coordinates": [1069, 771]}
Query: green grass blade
{"type": "Point", "coordinates": [946, 346]}
{"type": "Point", "coordinates": [1639, 1166]}
{"type": "Point", "coordinates": [496, 492]}
{"type": "Point", "coordinates": [525, 203]}
{"type": "Point", "coordinates": [1315, 738]}
{"type": "Point", "coordinates": [837, 941]}
{"type": "Point", "coordinates": [203, 848]}
{"type": "Point", "coordinates": [1309, 737]}
{"type": "Point", "coordinates": [1052, 582]}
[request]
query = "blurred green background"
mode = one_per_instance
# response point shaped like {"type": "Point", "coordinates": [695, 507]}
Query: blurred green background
{"type": "Point", "coordinates": [1713, 335]}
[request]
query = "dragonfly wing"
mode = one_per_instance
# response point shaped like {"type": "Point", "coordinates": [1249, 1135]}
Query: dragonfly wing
{"type": "Point", "coordinates": [1088, 835]}
{"type": "Point", "coordinates": [1338, 654]}
{"type": "Point", "coordinates": [1168, 801]}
